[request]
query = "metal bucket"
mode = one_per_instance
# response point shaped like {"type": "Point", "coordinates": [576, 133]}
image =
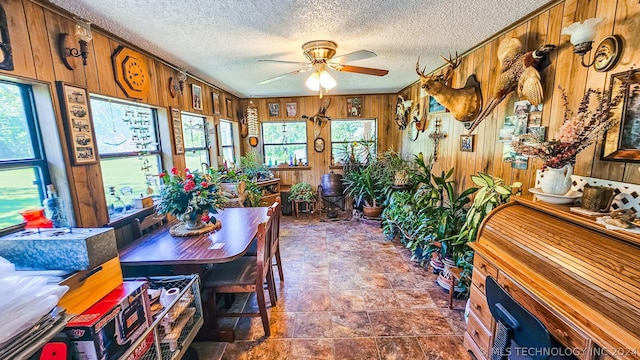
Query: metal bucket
{"type": "Point", "coordinates": [331, 184]}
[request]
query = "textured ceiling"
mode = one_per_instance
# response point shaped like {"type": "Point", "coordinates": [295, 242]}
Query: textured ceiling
{"type": "Point", "coordinates": [221, 41]}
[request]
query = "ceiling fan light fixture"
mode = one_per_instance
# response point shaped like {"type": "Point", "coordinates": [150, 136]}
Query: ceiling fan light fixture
{"type": "Point", "coordinates": [326, 80]}
{"type": "Point", "coordinates": [313, 82]}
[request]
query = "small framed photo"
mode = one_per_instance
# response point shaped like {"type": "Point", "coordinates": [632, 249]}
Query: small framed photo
{"type": "Point", "coordinates": [537, 133]}
{"type": "Point", "coordinates": [535, 108]}
{"type": "Point", "coordinates": [196, 96]}
{"type": "Point", "coordinates": [274, 109]}
{"type": "Point", "coordinates": [78, 123]}
{"type": "Point", "coordinates": [508, 153]}
{"type": "Point", "coordinates": [466, 143]}
{"type": "Point", "coordinates": [510, 122]}
{"type": "Point", "coordinates": [535, 118]}
{"type": "Point", "coordinates": [292, 109]}
{"type": "Point", "coordinates": [176, 126]}
{"type": "Point", "coordinates": [520, 127]}
{"type": "Point", "coordinates": [506, 135]}
{"type": "Point", "coordinates": [354, 107]}
{"type": "Point", "coordinates": [318, 144]}
{"type": "Point", "coordinates": [520, 162]}
{"type": "Point", "coordinates": [435, 106]}
{"type": "Point", "coordinates": [521, 107]}
{"type": "Point", "coordinates": [216, 102]}
{"type": "Point", "coordinates": [229, 109]}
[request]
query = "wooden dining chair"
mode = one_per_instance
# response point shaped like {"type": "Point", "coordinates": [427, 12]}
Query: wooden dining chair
{"type": "Point", "coordinates": [246, 274]}
{"type": "Point", "coordinates": [275, 211]}
{"type": "Point", "coordinates": [139, 227]}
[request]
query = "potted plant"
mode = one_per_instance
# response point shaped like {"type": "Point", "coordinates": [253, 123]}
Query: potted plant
{"type": "Point", "coordinates": [396, 169]}
{"type": "Point", "coordinates": [303, 191]}
{"type": "Point", "coordinates": [252, 167]}
{"type": "Point", "coordinates": [366, 188]}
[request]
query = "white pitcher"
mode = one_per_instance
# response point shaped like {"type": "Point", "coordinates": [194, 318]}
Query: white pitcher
{"type": "Point", "coordinates": [556, 181]}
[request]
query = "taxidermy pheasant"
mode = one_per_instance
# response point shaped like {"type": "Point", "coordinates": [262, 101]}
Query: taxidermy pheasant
{"type": "Point", "coordinates": [518, 71]}
{"type": "Point", "coordinates": [320, 118]}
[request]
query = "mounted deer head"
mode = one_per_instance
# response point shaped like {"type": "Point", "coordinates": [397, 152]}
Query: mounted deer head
{"type": "Point", "coordinates": [464, 103]}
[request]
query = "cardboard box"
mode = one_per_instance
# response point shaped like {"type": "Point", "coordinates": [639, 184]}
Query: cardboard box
{"type": "Point", "coordinates": [59, 249]}
{"type": "Point", "coordinates": [142, 202]}
{"type": "Point", "coordinates": [107, 329]}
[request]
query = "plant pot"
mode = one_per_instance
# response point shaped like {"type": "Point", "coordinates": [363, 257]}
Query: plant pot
{"type": "Point", "coordinates": [445, 277]}
{"type": "Point", "coordinates": [400, 178]}
{"type": "Point", "coordinates": [372, 211]}
{"type": "Point", "coordinates": [193, 223]}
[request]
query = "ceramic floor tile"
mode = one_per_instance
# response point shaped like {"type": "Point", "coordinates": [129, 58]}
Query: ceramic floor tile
{"type": "Point", "coordinates": [355, 349]}
{"type": "Point", "coordinates": [380, 299]}
{"type": "Point", "coordinates": [399, 348]}
{"type": "Point", "coordinates": [348, 300]}
{"type": "Point", "coordinates": [428, 322]}
{"type": "Point", "coordinates": [346, 324]}
{"type": "Point", "coordinates": [270, 349]}
{"type": "Point", "coordinates": [316, 349]}
{"type": "Point", "coordinates": [391, 323]}
{"type": "Point", "coordinates": [313, 325]}
{"type": "Point", "coordinates": [314, 300]}
{"type": "Point", "coordinates": [443, 347]}
{"type": "Point", "coordinates": [414, 299]}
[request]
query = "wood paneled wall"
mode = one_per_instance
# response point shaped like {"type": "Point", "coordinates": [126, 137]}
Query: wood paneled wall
{"type": "Point", "coordinates": [34, 31]}
{"type": "Point", "coordinates": [620, 17]}
{"type": "Point", "coordinates": [380, 107]}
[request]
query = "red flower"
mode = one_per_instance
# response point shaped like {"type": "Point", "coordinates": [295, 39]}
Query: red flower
{"type": "Point", "coordinates": [186, 170]}
{"type": "Point", "coordinates": [162, 175]}
{"type": "Point", "coordinates": [204, 184]}
{"type": "Point", "coordinates": [174, 171]}
{"type": "Point", "coordinates": [189, 185]}
{"type": "Point", "coordinates": [205, 218]}
{"type": "Point", "coordinates": [189, 176]}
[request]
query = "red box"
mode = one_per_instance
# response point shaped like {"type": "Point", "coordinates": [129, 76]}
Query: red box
{"type": "Point", "coordinates": [108, 328]}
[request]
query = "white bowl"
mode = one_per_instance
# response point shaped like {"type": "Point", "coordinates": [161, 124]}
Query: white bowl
{"type": "Point", "coordinates": [567, 198]}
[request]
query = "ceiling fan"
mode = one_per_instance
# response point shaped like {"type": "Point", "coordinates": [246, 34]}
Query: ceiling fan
{"type": "Point", "coordinates": [321, 56]}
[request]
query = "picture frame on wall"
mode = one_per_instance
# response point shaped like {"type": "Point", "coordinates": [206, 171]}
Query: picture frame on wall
{"type": "Point", "coordinates": [292, 109]}
{"type": "Point", "coordinates": [318, 144]}
{"type": "Point", "coordinates": [229, 109]}
{"type": "Point", "coordinates": [354, 107]}
{"type": "Point", "coordinates": [274, 109]}
{"type": "Point", "coordinates": [196, 96]}
{"type": "Point", "coordinates": [176, 126]}
{"type": "Point", "coordinates": [466, 143]}
{"type": "Point", "coordinates": [78, 123]}
{"type": "Point", "coordinates": [435, 106]}
{"type": "Point", "coordinates": [622, 142]}
{"type": "Point", "coordinates": [216, 103]}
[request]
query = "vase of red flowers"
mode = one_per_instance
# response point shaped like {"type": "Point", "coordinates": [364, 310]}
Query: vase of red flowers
{"type": "Point", "coordinates": [192, 198]}
{"type": "Point", "coordinates": [577, 132]}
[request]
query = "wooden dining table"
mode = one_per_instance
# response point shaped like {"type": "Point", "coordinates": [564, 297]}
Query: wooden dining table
{"type": "Point", "coordinates": [187, 254]}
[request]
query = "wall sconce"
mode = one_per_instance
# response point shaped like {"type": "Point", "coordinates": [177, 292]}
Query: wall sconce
{"type": "Point", "coordinates": [66, 45]}
{"type": "Point", "coordinates": [582, 35]}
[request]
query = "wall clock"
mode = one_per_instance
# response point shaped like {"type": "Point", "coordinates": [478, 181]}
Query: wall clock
{"type": "Point", "coordinates": [131, 72]}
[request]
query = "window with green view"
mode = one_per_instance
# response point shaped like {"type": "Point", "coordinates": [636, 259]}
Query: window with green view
{"type": "Point", "coordinates": [194, 133]}
{"type": "Point", "coordinates": [284, 142]}
{"type": "Point", "coordinates": [226, 142]}
{"type": "Point", "coordinates": [23, 166]}
{"type": "Point", "coordinates": [357, 137]}
{"type": "Point", "coordinates": [127, 139]}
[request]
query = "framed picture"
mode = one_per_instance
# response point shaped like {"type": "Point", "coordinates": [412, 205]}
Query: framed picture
{"type": "Point", "coordinates": [274, 109]}
{"type": "Point", "coordinates": [216, 102]}
{"type": "Point", "coordinates": [74, 106]}
{"type": "Point", "coordinates": [535, 118]}
{"type": "Point", "coordinates": [196, 96]}
{"type": "Point", "coordinates": [292, 109]}
{"type": "Point", "coordinates": [520, 127]}
{"type": "Point", "coordinates": [354, 107]}
{"type": "Point", "coordinates": [520, 162]}
{"type": "Point", "coordinates": [176, 126]}
{"type": "Point", "coordinates": [466, 143]}
{"type": "Point", "coordinates": [538, 133]}
{"type": "Point", "coordinates": [229, 109]}
{"type": "Point", "coordinates": [521, 107]}
{"type": "Point", "coordinates": [622, 142]}
{"type": "Point", "coordinates": [505, 135]}
{"type": "Point", "coordinates": [435, 106]}
{"type": "Point", "coordinates": [318, 144]}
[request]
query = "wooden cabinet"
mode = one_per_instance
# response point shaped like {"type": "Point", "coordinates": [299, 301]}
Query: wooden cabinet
{"type": "Point", "coordinates": [270, 191]}
{"type": "Point", "coordinates": [578, 278]}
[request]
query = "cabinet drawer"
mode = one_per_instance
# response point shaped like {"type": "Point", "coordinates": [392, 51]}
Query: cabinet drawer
{"type": "Point", "coordinates": [484, 267]}
{"type": "Point", "coordinates": [472, 347]}
{"type": "Point", "coordinates": [479, 334]}
{"type": "Point", "coordinates": [478, 278]}
{"type": "Point", "coordinates": [479, 306]}
{"type": "Point", "coordinates": [562, 331]}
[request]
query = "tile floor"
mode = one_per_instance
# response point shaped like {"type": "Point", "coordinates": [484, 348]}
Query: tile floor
{"type": "Point", "coordinates": [348, 294]}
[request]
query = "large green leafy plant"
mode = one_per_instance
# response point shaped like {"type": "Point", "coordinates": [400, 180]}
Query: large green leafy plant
{"type": "Point", "coordinates": [366, 185]}
{"type": "Point", "coordinates": [191, 195]}
{"type": "Point", "coordinates": [303, 191]}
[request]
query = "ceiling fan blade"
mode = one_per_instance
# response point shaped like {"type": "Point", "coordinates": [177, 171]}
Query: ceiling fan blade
{"type": "Point", "coordinates": [354, 56]}
{"type": "Point", "coordinates": [284, 75]}
{"type": "Point", "coordinates": [361, 70]}
{"type": "Point", "coordinates": [286, 62]}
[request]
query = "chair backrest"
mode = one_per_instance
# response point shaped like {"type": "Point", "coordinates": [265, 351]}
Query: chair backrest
{"type": "Point", "coordinates": [515, 323]}
{"type": "Point", "coordinates": [138, 227]}
{"type": "Point", "coordinates": [275, 212]}
{"type": "Point", "coordinates": [263, 248]}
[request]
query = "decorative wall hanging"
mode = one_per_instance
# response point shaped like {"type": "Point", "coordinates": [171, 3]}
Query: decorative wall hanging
{"type": "Point", "coordinates": [402, 112]}
{"type": "Point", "coordinates": [417, 123]}
{"type": "Point", "coordinates": [176, 83]}
{"type": "Point", "coordinates": [292, 109]}
{"type": "Point", "coordinates": [274, 109]}
{"type": "Point", "coordinates": [196, 97]}
{"type": "Point", "coordinates": [176, 126]}
{"type": "Point", "coordinates": [467, 143]}
{"type": "Point", "coordinates": [6, 58]}
{"type": "Point", "coordinates": [582, 35]}
{"type": "Point", "coordinates": [320, 119]}
{"type": "Point", "coordinates": [74, 106]}
{"type": "Point", "coordinates": [244, 128]}
{"type": "Point", "coordinates": [252, 124]}
{"type": "Point", "coordinates": [518, 71]}
{"type": "Point", "coordinates": [131, 73]}
{"type": "Point", "coordinates": [464, 103]}
{"type": "Point", "coordinates": [216, 102]}
{"type": "Point", "coordinates": [622, 142]}
{"type": "Point", "coordinates": [229, 109]}
{"type": "Point", "coordinates": [354, 107]}
{"type": "Point", "coordinates": [318, 144]}
{"type": "Point", "coordinates": [67, 48]}
{"type": "Point", "coordinates": [437, 135]}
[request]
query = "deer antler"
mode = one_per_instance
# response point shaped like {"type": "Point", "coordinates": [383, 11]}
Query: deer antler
{"type": "Point", "coordinates": [453, 64]}
{"type": "Point", "coordinates": [421, 73]}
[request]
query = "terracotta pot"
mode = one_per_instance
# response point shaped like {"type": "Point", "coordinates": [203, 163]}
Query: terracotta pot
{"type": "Point", "coordinates": [372, 211]}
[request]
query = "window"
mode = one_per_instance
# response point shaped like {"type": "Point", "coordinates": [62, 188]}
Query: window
{"type": "Point", "coordinates": [194, 133]}
{"type": "Point", "coordinates": [226, 141]}
{"type": "Point", "coordinates": [23, 166]}
{"type": "Point", "coordinates": [284, 142]}
{"type": "Point", "coordinates": [127, 138]}
{"type": "Point", "coordinates": [345, 132]}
